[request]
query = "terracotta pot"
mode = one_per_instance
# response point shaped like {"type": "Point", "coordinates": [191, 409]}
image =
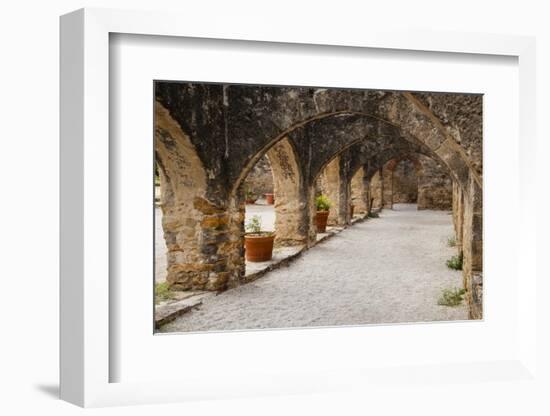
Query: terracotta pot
{"type": "Point", "coordinates": [351, 209]}
{"type": "Point", "coordinates": [258, 247]}
{"type": "Point", "coordinates": [321, 221]}
{"type": "Point", "coordinates": [269, 199]}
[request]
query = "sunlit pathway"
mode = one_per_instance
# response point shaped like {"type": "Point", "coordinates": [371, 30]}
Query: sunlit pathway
{"type": "Point", "coordinates": [390, 269]}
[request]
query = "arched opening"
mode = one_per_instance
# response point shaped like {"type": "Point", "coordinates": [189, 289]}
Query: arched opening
{"type": "Point", "coordinates": [280, 210]}
{"type": "Point", "coordinates": [210, 137]}
{"type": "Point", "coordinates": [258, 194]}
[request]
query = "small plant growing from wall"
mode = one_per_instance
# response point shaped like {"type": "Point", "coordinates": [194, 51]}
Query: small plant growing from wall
{"type": "Point", "coordinates": [451, 297]}
{"type": "Point", "coordinates": [455, 262]}
{"type": "Point", "coordinates": [322, 203]}
{"type": "Point", "coordinates": [163, 292]}
{"type": "Point", "coordinates": [451, 241]}
{"type": "Point", "coordinates": [258, 244]}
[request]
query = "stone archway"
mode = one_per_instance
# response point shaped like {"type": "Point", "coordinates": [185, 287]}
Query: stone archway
{"type": "Point", "coordinates": [230, 126]}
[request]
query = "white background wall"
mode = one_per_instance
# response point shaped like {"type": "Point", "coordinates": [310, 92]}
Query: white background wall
{"type": "Point", "coordinates": [29, 167]}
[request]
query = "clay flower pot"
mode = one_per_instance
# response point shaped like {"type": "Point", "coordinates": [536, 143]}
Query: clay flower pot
{"type": "Point", "coordinates": [351, 209]}
{"type": "Point", "coordinates": [259, 246]}
{"type": "Point", "coordinates": [321, 221]}
{"type": "Point", "coordinates": [269, 199]}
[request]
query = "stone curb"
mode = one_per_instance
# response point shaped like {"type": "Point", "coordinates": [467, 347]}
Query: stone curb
{"type": "Point", "coordinates": [170, 311]}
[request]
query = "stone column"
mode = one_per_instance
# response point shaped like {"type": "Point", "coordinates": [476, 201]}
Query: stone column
{"type": "Point", "coordinates": [458, 214]}
{"type": "Point", "coordinates": [435, 190]}
{"type": "Point", "coordinates": [331, 187]}
{"type": "Point", "coordinates": [387, 186]}
{"type": "Point", "coordinates": [472, 246]}
{"type": "Point", "coordinates": [359, 191]}
{"type": "Point", "coordinates": [202, 229]}
{"type": "Point", "coordinates": [377, 190]}
{"type": "Point", "coordinates": [291, 215]}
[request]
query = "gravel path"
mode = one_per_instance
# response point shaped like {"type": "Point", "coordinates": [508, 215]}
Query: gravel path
{"type": "Point", "coordinates": [390, 269]}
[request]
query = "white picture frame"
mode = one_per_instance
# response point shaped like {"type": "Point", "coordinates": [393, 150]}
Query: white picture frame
{"type": "Point", "coordinates": [85, 164]}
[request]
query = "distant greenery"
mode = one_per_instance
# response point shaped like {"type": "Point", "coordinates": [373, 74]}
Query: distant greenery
{"type": "Point", "coordinates": [163, 292]}
{"type": "Point", "coordinates": [451, 297]}
{"type": "Point", "coordinates": [322, 203]}
{"type": "Point", "coordinates": [373, 215]}
{"type": "Point", "coordinates": [451, 241]}
{"type": "Point", "coordinates": [455, 262]}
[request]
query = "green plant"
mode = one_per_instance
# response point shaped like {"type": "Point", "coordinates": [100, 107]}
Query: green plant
{"type": "Point", "coordinates": [373, 215]}
{"type": "Point", "coordinates": [254, 225]}
{"type": "Point", "coordinates": [322, 203]}
{"type": "Point", "coordinates": [451, 297]}
{"type": "Point", "coordinates": [455, 262]}
{"type": "Point", "coordinates": [163, 292]}
{"type": "Point", "coordinates": [451, 241]}
{"type": "Point", "coordinates": [249, 194]}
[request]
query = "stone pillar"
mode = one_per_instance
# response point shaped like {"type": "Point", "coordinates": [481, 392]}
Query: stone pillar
{"type": "Point", "coordinates": [472, 246]}
{"type": "Point", "coordinates": [331, 186]}
{"type": "Point", "coordinates": [359, 192]}
{"type": "Point", "coordinates": [435, 189]}
{"type": "Point", "coordinates": [203, 232]}
{"type": "Point", "coordinates": [405, 182]}
{"type": "Point", "coordinates": [387, 186]}
{"type": "Point", "coordinates": [291, 214]}
{"type": "Point", "coordinates": [376, 190]}
{"type": "Point", "coordinates": [458, 214]}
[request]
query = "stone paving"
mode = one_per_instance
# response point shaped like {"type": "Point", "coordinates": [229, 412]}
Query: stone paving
{"type": "Point", "coordinates": [385, 270]}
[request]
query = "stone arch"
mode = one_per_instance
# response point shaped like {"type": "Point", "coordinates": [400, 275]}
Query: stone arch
{"type": "Point", "coordinates": [248, 120]}
{"type": "Point", "coordinates": [339, 167]}
{"type": "Point", "coordinates": [187, 215]}
{"type": "Point", "coordinates": [388, 172]}
{"type": "Point", "coordinates": [230, 125]}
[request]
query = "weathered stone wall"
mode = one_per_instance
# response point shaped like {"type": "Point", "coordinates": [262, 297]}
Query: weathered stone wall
{"type": "Point", "coordinates": [458, 215]}
{"type": "Point", "coordinates": [359, 195]}
{"type": "Point", "coordinates": [376, 190]}
{"type": "Point", "coordinates": [435, 189]}
{"type": "Point", "coordinates": [291, 216]}
{"type": "Point", "coordinates": [472, 248]}
{"type": "Point", "coordinates": [329, 185]}
{"type": "Point", "coordinates": [260, 179]}
{"type": "Point", "coordinates": [405, 183]}
{"type": "Point", "coordinates": [387, 186]}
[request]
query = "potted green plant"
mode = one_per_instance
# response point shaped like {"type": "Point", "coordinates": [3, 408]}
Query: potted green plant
{"type": "Point", "coordinates": [249, 197]}
{"type": "Point", "coordinates": [258, 244]}
{"type": "Point", "coordinates": [322, 204]}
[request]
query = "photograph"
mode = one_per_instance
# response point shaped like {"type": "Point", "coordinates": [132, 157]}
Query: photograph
{"type": "Point", "coordinates": [302, 206]}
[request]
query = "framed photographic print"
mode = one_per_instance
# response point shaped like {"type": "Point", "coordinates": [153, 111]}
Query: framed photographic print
{"type": "Point", "coordinates": [272, 213]}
